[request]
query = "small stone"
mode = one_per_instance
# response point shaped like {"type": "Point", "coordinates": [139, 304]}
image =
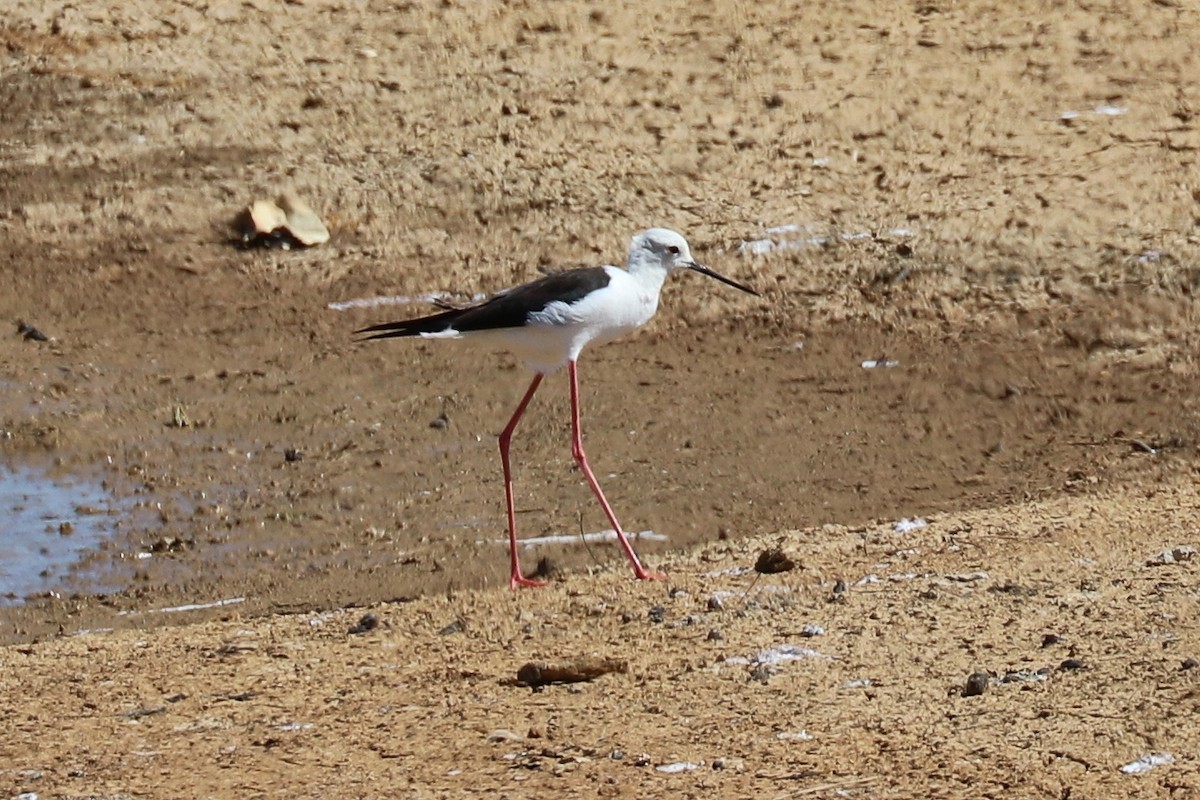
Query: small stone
{"type": "Point", "coordinates": [545, 568]}
{"type": "Point", "coordinates": [441, 423]}
{"type": "Point", "coordinates": [458, 626]}
{"type": "Point", "coordinates": [179, 418]}
{"type": "Point", "coordinates": [773, 561]}
{"type": "Point", "coordinates": [368, 622]}
{"type": "Point", "coordinates": [810, 630]}
{"type": "Point", "coordinates": [1175, 555]}
{"type": "Point", "coordinates": [657, 614]}
{"type": "Point", "coordinates": [285, 223]}
{"type": "Point", "coordinates": [715, 604]}
{"type": "Point", "coordinates": [292, 455]}
{"type": "Point", "coordinates": [676, 767]}
{"type": "Point", "coordinates": [1072, 664]}
{"type": "Point", "coordinates": [30, 333]}
{"type": "Point", "coordinates": [504, 735]}
{"type": "Point", "coordinates": [1189, 663]}
{"type": "Point", "coordinates": [840, 592]}
{"type": "Point", "coordinates": [302, 221]}
{"type": "Point", "coordinates": [715, 635]}
{"type": "Point", "coordinates": [1051, 639]}
{"type": "Point", "coordinates": [977, 684]}
{"type": "Point", "coordinates": [266, 217]}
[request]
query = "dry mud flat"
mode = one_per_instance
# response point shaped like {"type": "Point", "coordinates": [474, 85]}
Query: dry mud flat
{"type": "Point", "coordinates": [1000, 200]}
{"type": "Point", "coordinates": [782, 686]}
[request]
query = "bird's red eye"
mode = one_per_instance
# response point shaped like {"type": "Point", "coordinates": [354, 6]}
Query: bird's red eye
{"type": "Point", "coordinates": [673, 250]}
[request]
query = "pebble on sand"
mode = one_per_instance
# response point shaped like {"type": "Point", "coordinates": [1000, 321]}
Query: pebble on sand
{"type": "Point", "coordinates": [288, 222]}
{"type": "Point", "coordinates": [977, 684]}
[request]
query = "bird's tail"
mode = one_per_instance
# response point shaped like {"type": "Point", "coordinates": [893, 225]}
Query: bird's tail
{"type": "Point", "coordinates": [434, 323]}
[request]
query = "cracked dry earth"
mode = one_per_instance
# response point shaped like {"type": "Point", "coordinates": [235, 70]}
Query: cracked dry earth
{"type": "Point", "coordinates": [299, 590]}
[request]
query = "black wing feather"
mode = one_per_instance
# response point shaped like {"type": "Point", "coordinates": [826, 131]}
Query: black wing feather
{"type": "Point", "coordinates": [507, 309]}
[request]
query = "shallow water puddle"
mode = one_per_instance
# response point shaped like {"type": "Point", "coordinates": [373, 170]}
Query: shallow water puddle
{"type": "Point", "coordinates": [46, 525]}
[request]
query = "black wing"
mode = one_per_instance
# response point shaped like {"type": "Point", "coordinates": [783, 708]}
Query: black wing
{"type": "Point", "coordinates": [507, 309]}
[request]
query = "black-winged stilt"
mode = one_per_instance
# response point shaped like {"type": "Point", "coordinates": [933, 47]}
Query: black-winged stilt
{"type": "Point", "coordinates": [547, 322]}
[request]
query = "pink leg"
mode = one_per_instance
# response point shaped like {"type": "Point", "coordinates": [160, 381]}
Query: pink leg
{"type": "Point", "coordinates": [581, 459]}
{"type": "Point", "coordinates": [516, 579]}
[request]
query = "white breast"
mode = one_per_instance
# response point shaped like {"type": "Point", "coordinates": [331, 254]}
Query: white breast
{"type": "Point", "coordinates": [559, 332]}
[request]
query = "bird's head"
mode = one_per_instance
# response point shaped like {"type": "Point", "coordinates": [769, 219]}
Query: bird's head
{"type": "Point", "coordinates": [664, 249]}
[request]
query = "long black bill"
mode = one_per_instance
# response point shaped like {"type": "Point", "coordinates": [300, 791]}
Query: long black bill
{"type": "Point", "coordinates": [694, 267]}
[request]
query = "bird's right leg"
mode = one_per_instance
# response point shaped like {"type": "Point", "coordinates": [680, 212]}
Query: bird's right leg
{"type": "Point", "coordinates": [516, 579]}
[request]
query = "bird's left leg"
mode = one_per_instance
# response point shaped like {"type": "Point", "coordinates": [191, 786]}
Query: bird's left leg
{"type": "Point", "coordinates": [581, 460]}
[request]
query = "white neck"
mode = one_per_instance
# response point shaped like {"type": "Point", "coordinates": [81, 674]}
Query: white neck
{"type": "Point", "coordinates": [649, 274]}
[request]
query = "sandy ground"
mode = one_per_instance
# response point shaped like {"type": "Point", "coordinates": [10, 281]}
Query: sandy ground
{"type": "Point", "coordinates": [999, 200]}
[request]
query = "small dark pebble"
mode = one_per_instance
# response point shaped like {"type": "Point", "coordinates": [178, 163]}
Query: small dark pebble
{"type": "Point", "coordinates": [278, 239]}
{"type": "Point", "coordinates": [170, 544]}
{"type": "Point", "coordinates": [761, 674]}
{"type": "Point", "coordinates": [715, 604]}
{"type": "Point", "coordinates": [175, 698]}
{"type": "Point", "coordinates": [773, 561]}
{"type": "Point", "coordinates": [1051, 639]}
{"type": "Point", "coordinates": [840, 592]}
{"type": "Point", "coordinates": [31, 333]}
{"type": "Point", "coordinates": [977, 684]}
{"type": "Point", "coordinates": [292, 455]}
{"type": "Point", "coordinates": [458, 626]}
{"type": "Point", "coordinates": [1189, 663]}
{"type": "Point", "coordinates": [441, 423]}
{"type": "Point", "coordinates": [657, 614]}
{"type": "Point", "coordinates": [369, 622]}
{"type": "Point", "coordinates": [904, 250]}
{"type": "Point", "coordinates": [1072, 663]}
{"type": "Point", "coordinates": [627, 617]}
{"type": "Point", "coordinates": [545, 568]}
{"type": "Point", "coordinates": [676, 591]}
{"type": "Point", "coordinates": [617, 755]}
{"type": "Point", "coordinates": [715, 635]}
